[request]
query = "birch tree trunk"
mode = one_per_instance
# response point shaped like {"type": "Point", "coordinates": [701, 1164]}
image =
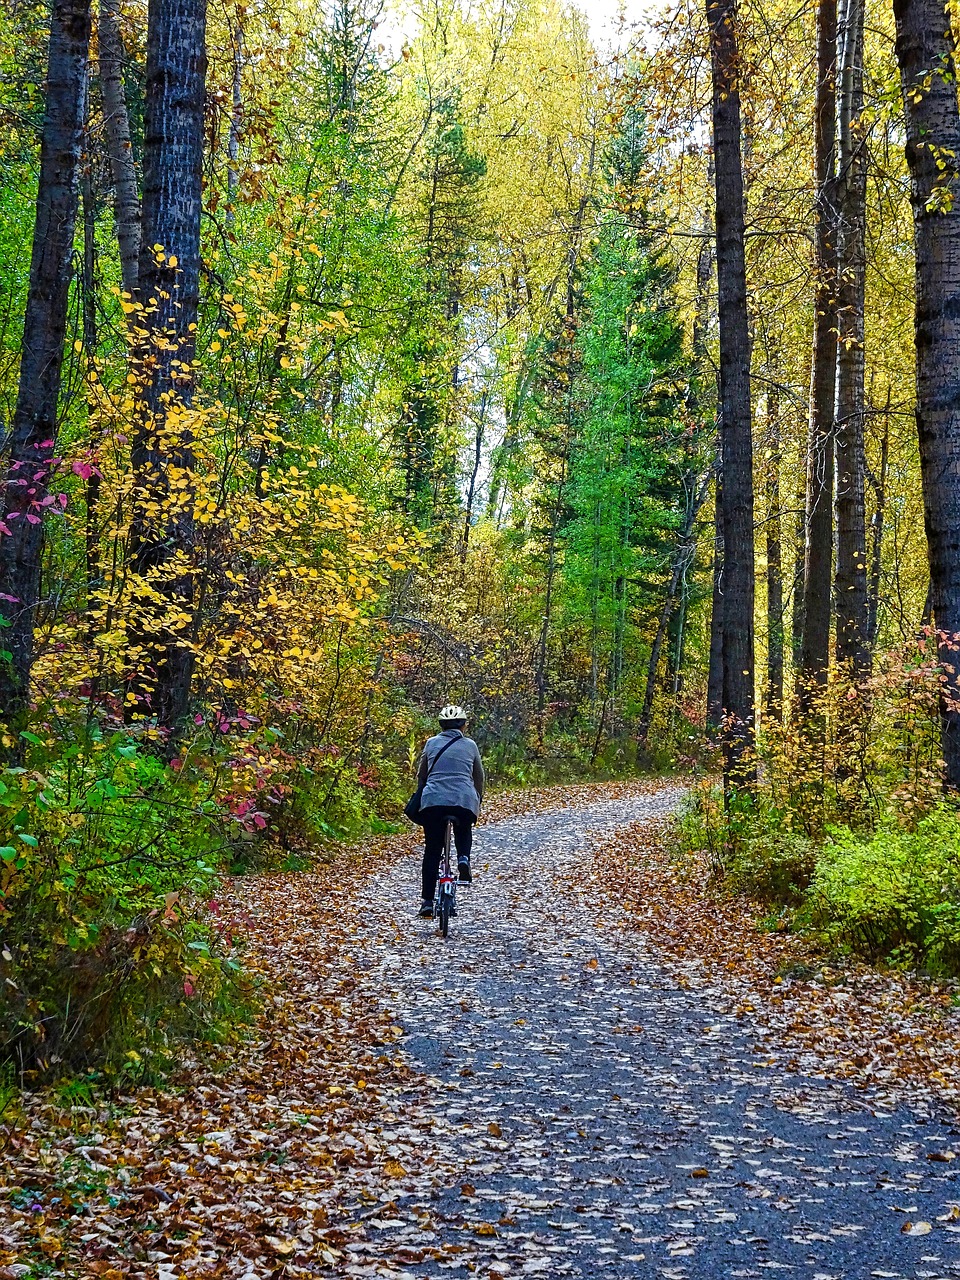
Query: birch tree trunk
{"type": "Point", "coordinates": [926, 56]}
{"type": "Point", "coordinates": [818, 548]}
{"type": "Point", "coordinates": [116, 133]}
{"type": "Point", "coordinates": [162, 527]}
{"type": "Point", "coordinates": [33, 434]}
{"type": "Point", "coordinates": [852, 643]}
{"type": "Point", "coordinates": [736, 429]}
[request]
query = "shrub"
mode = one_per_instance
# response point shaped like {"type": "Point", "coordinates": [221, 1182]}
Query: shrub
{"type": "Point", "coordinates": [894, 892]}
{"type": "Point", "coordinates": [110, 939]}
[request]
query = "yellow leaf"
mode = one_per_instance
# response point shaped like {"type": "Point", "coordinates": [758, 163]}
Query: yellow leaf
{"type": "Point", "coordinates": [394, 1169]}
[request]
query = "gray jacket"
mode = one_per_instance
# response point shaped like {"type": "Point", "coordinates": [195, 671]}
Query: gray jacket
{"type": "Point", "coordinates": [458, 778]}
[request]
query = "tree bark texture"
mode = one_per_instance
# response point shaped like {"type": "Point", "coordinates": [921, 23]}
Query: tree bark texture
{"type": "Point", "coordinates": [926, 57]}
{"type": "Point", "coordinates": [33, 432]}
{"type": "Point", "coordinates": [774, 700]}
{"type": "Point", "coordinates": [90, 344]}
{"type": "Point", "coordinates": [116, 132]}
{"type": "Point", "coordinates": [736, 444]}
{"type": "Point", "coordinates": [818, 541]}
{"type": "Point", "coordinates": [852, 641]}
{"type": "Point", "coordinates": [878, 484]}
{"type": "Point", "coordinates": [169, 285]}
{"type": "Point", "coordinates": [715, 671]}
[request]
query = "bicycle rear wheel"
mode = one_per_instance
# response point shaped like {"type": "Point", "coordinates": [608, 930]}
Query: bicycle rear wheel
{"type": "Point", "coordinates": [445, 905]}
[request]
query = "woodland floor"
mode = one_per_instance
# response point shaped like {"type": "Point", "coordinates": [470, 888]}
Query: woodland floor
{"type": "Point", "coordinates": [603, 1071]}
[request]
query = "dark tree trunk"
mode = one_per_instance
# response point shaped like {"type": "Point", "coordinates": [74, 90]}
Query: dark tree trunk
{"type": "Point", "coordinates": [799, 540]}
{"type": "Point", "coordinates": [774, 558]}
{"type": "Point", "coordinates": [90, 342]}
{"type": "Point", "coordinates": [852, 645]}
{"type": "Point", "coordinates": [818, 553]}
{"type": "Point", "coordinates": [736, 445]}
{"type": "Point", "coordinates": [925, 53]}
{"type": "Point", "coordinates": [715, 671]}
{"type": "Point", "coordinates": [116, 133]}
{"type": "Point", "coordinates": [879, 486]}
{"type": "Point", "coordinates": [162, 531]}
{"type": "Point", "coordinates": [33, 431]}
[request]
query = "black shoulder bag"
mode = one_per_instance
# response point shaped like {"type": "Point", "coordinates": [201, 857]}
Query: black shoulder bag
{"type": "Point", "coordinates": [412, 807]}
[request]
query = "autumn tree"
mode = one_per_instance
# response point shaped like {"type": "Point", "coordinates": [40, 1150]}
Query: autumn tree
{"type": "Point", "coordinates": [927, 58]}
{"type": "Point", "coordinates": [736, 447]}
{"type": "Point", "coordinates": [31, 447]}
{"type": "Point", "coordinates": [162, 457]}
{"type": "Point", "coordinates": [818, 556]}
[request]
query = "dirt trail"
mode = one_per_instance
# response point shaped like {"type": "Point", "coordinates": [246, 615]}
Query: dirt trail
{"type": "Point", "coordinates": [600, 1120]}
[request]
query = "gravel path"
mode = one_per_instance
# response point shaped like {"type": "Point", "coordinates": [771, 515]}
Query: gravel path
{"type": "Point", "coordinates": [601, 1121]}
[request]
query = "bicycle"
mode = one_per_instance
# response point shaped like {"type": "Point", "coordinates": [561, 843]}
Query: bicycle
{"type": "Point", "coordinates": [445, 898]}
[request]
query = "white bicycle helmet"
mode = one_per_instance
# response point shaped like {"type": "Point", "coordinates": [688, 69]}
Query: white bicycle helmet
{"type": "Point", "coordinates": [452, 712]}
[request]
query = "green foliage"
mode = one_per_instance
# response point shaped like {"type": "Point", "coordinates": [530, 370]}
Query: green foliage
{"type": "Point", "coordinates": [112, 945]}
{"type": "Point", "coordinates": [864, 850]}
{"type": "Point", "coordinates": [893, 892]}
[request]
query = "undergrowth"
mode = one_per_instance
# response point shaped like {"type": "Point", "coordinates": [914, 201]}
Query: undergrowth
{"type": "Point", "coordinates": [847, 828]}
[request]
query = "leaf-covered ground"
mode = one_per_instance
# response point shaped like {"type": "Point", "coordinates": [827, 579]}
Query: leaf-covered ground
{"type": "Point", "coordinates": [597, 1074]}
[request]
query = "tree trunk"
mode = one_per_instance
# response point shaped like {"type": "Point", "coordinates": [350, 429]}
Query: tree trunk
{"type": "Point", "coordinates": [852, 645]}
{"type": "Point", "coordinates": [236, 123]}
{"type": "Point", "coordinates": [162, 531]}
{"type": "Point", "coordinates": [715, 672]}
{"type": "Point", "coordinates": [116, 133]}
{"type": "Point", "coordinates": [879, 486]}
{"type": "Point", "coordinates": [479, 428]}
{"type": "Point", "coordinates": [774, 558]}
{"type": "Point", "coordinates": [33, 431]}
{"type": "Point", "coordinates": [90, 342]}
{"type": "Point", "coordinates": [818, 554]}
{"type": "Point", "coordinates": [925, 53]}
{"type": "Point", "coordinates": [736, 444]}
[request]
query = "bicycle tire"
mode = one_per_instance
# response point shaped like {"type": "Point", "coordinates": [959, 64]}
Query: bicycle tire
{"type": "Point", "coordinates": [444, 914]}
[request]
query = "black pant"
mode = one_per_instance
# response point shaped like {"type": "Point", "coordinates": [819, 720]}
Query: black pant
{"type": "Point", "coordinates": [434, 833]}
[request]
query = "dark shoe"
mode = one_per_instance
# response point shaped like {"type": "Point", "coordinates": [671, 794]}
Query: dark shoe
{"type": "Point", "coordinates": [464, 872]}
{"type": "Point", "coordinates": [426, 909]}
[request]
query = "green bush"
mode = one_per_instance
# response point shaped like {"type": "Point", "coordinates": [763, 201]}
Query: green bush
{"type": "Point", "coordinates": [111, 945]}
{"type": "Point", "coordinates": [892, 892]}
{"type": "Point", "coordinates": [749, 843]}
{"type": "Point", "coordinates": [772, 865]}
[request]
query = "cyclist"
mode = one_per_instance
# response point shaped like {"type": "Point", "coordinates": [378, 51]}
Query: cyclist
{"type": "Point", "coordinates": [452, 788]}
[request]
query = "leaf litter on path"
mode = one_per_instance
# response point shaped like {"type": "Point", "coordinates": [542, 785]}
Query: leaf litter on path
{"type": "Point", "coordinates": [548, 1092]}
{"type": "Point", "coordinates": [895, 1034]}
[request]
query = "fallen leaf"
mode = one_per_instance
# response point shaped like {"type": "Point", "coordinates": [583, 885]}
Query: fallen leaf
{"type": "Point", "coordinates": [283, 1247]}
{"type": "Point", "coordinates": [916, 1229]}
{"type": "Point", "coordinates": [494, 1129]}
{"type": "Point", "coordinates": [394, 1169]}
